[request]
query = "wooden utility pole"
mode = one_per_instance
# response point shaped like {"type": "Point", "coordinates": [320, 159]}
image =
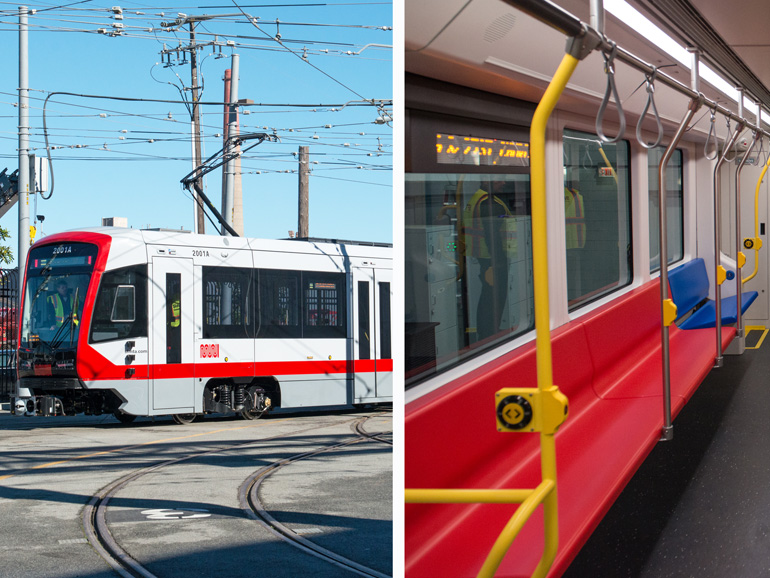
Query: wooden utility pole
{"type": "Point", "coordinates": [304, 193]}
{"type": "Point", "coordinates": [201, 217]}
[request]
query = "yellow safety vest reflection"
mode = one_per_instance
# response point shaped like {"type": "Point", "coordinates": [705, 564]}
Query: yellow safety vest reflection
{"type": "Point", "coordinates": [175, 313]}
{"type": "Point", "coordinates": [475, 245]}
{"type": "Point", "coordinates": [576, 222]}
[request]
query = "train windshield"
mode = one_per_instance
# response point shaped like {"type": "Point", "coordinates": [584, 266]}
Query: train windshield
{"type": "Point", "coordinates": [57, 280]}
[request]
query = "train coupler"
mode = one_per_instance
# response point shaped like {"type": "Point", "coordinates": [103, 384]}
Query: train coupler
{"type": "Point", "coordinates": [45, 405]}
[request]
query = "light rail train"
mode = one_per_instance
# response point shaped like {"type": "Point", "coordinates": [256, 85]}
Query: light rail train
{"type": "Point", "coordinates": [548, 345]}
{"type": "Point", "coordinates": [166, 323]}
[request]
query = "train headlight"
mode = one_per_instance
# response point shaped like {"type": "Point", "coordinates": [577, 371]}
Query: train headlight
{"type": "Point", "coordinates": [20, 407]}
{"type": "Point", "coordinates": [31, 406]}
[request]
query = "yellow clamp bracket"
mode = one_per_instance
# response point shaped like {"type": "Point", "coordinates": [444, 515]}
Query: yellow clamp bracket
{"type": "Point", "coordinates": [721, 275]}
{"type": "Point", "coordinates": [521, 409]}
{"type": "Point", "coordinates": [741, 260]}
{"type": "Point", "coordinates": [669, 312]}
{"type": "Point", "coordinates": [752, 243]}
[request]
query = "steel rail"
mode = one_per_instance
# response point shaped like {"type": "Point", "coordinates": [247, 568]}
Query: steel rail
{"type": "Point", "coordinates": [94, 514]}
{"type": "Point", "coordinates": [248, 496]}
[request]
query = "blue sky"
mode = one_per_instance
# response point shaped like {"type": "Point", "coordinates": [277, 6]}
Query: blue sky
{"type": "Point", "coordinates": [107, 166]}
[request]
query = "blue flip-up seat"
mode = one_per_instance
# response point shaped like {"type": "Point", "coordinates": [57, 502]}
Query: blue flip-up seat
{"type": "Point", "coordinates": [689, 290]}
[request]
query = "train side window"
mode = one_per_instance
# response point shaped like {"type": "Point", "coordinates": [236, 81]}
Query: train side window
{"type": "Point", "coordinates": [174, 317]}
{"type": "Point", "coordinates": [674, 206]}
{"type": "Point", "coordinates": [324, 305]}
{"type": "Point", "coordinates": [364, 347]}
{"type": "Point", "coordinates": [124, 307]}
{"type": "Point", "coordinates": [226, 303]}
{"type": "Point", "coordinates": [385, 345]}
{"type": "Point", "coordinates": [112, 318]}
{"type": "Point", "coordinates": [597, 207]}
{"type": "Point", "coordinates": [279, 309]}
{"type": "Point", "coordinates": [468, 248]}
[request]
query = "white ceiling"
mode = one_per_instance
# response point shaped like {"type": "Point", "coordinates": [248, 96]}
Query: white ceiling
{"type": "Point", "coordinates": [745, 26]}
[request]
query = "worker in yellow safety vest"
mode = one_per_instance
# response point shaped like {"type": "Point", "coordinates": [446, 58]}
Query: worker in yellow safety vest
{"type": "Point", "coordinates": [474, 234]}
{"type": "Point", "coordinates": [575, 219]}
{"type": "Point", "coordinates": [60, 305]}
{"type": "Point", "coordinates": [488, 235]}
{"type": "Point", "coordinates": [175, 313]}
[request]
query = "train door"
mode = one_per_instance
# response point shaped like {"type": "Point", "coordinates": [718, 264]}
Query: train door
{"type": "Point", "coordinates": [372, 334]}
{"type": "Point", "coordinates": [172, 336]}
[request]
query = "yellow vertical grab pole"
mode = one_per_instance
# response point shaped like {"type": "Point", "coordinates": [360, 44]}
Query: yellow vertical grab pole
{"type": "Point", "coordinates": [756, 242]}
{"type": "Point", "coordinates": [542, 312]}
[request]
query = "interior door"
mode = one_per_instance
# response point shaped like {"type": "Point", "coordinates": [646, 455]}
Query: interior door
{"type": "Point", "coordinates": [172, 332]}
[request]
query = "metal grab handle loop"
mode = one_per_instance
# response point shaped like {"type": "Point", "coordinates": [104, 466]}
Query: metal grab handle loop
{"type": "Point", "coordinates": [728, 138]}
{"type": "Point", "coordinates": [712, 136]}
{"type": "Point", "coordinates": [586, 161]}
{"type": "Point", "coordinates": [755, 161]}
{"type": "Point", "coordinates": [609, 70]}
{"type": "Point", "coordinates": [650, 102]}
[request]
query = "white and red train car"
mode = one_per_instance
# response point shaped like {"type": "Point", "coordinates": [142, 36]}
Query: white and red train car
{"type": "Point", "coordinates": [149, 323]}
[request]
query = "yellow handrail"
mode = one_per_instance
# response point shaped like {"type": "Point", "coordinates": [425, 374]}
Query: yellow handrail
{"type": "Point", "coordinates": [549, 406]}
{"type": "Point", "coordinates": [756, 242]}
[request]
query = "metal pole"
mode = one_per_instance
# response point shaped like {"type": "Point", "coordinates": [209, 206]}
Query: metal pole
{"type": "Point", "coordinates": [740, 258]}
{"type": "Point", "coordinates": [559, 19]}
{"type": "Point", "coordinates": [200, 217]}
{"type": "Point", "coordinates": [303, 227]}
{"type": "Point", "coordinates": [23, 182]}
{"type": "Point", "coordinates": [666, 304]}
{"type": "Point", "coordinates": [597, 16]}
{"type": "Point", "coordinates": [227, 210]}
{"type": "Point", "coordinates": [225, 135]}
{"type": "Point", "coordinates": [719, 271]}
{"type": "Point", "coordinates": [695, 70]}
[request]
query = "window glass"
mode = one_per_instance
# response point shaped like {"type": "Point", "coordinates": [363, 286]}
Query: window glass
{"type": "Point", "coordinates": [364, 344]}
{"type": "Point", "coordinates": [120, 311]}
{"type": "Point", "coordinates": [385, 344]}
{"type": "Point", "coordinates": [468, 265]}
{"type": "Point", "coordinates": [58, 277]}
{"type": "Point", "coordinates": [324, 305]}
{"type": "Point", "coordinates": [279, 304]}
{"type": "Point", "coordinates": [123, 310]}
{"type": "Point", "coordinates": [674, 206]}
{"type": "Point", "coordinates": [226, 309]}
{"type": "Point", "coordinates": [597, 207]}
{"type": "Point", "coordinates": [174, 318]}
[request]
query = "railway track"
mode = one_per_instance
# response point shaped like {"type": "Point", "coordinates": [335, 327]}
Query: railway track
{"type": "Point", "coordinates": [101, 539]}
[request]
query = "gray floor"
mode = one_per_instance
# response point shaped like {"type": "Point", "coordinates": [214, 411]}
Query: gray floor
{"type": "Point", "coordinates": [699, 505]}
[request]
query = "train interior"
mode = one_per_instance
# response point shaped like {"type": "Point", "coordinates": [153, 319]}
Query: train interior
{"type": "Point", "coordinates": [530, 264]}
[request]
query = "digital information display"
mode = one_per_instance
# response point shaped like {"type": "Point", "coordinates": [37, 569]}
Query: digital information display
{"type": "Point", "coordinates": [452, 149]}
{"type": "Point", "coordinates": [67, 255]}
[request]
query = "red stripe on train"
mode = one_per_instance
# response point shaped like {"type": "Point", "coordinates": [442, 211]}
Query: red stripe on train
{"type": "Point", "coordinates": [92, 366]}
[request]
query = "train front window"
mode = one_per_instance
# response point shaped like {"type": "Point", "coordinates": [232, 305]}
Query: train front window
{"type": "Point", "coordinates": [57, 281]}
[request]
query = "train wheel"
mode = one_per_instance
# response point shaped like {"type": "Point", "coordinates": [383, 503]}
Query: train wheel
{"type": "Point", "coordinates": [124, 417]}
{"type": "Point", "coordinates": [250, 415]}
{"type": "Point", "coordinates": [184, 418]}
{"type": "Point", "coordinates": [258, 400]}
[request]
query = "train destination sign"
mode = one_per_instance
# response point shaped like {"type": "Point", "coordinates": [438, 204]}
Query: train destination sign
{"type": "Point", "coordinates": [452, 149]}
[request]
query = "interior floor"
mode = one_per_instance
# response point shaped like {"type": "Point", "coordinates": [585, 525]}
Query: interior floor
{"type": "Point", "coordinates": [700, 504]}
